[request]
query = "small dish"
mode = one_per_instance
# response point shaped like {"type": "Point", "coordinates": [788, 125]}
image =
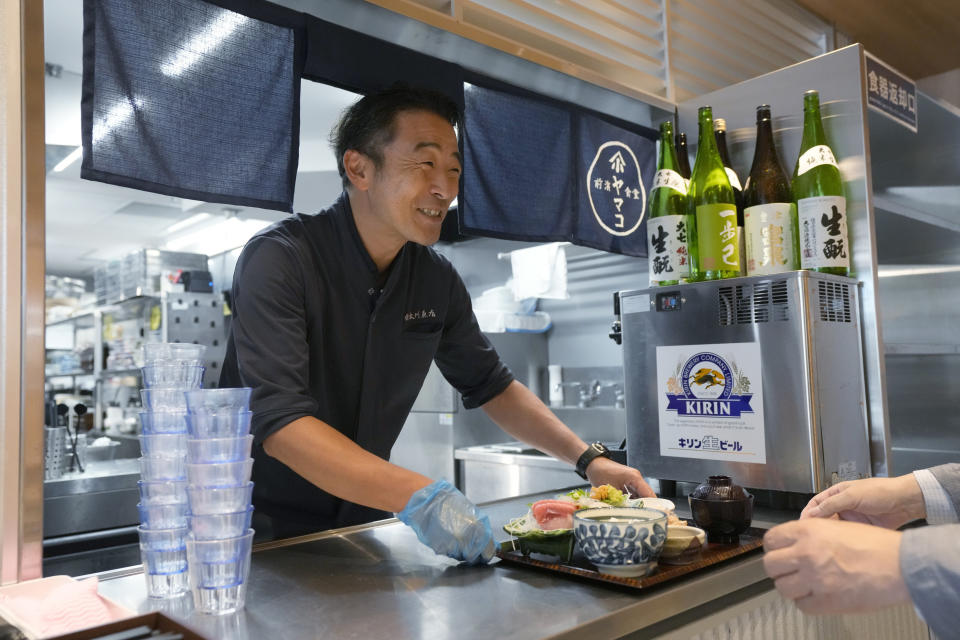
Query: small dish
{"type": "Point", "coordinates": [621, 541]}
{"type": "Point", "coordinates": [683, 545]}
{"type": "Point", "coordinates": [652, 503]}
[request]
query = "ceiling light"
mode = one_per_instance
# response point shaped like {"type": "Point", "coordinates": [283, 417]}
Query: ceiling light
{"type": "Point", "coordinates": [895, 272]}
{"type": "Point", "coordinates": [183, 224]}
{"type": "Point", "coordinates": [69, 160]}
{"type": "Point", "coordinates": [217, 238]}
{"type": "Point", "coordinates": [203, 43]}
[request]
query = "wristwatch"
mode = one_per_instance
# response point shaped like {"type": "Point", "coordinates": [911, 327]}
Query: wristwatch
{"type": "Point", "coordinates": [595, 450]}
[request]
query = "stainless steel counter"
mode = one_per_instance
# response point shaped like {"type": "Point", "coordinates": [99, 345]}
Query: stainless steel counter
{"type": "Point", "coordinates": [104, 496]}
{"type": "Point", "coordinates": [378, 581]}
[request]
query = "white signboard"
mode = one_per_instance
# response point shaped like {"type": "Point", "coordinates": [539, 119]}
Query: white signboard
{"type": "Point", "coordinates": [710, 400]}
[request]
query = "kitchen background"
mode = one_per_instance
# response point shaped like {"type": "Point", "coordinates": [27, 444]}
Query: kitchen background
{"type": "Point", "coordinates": [97, 233]}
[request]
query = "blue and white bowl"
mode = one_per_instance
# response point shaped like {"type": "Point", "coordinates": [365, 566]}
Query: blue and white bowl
{"type": "Point", "coordinates": [621, 541]}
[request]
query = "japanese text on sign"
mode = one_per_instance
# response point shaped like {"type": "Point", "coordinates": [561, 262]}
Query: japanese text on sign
{"type": "Point", "coordinates": [891, 93]}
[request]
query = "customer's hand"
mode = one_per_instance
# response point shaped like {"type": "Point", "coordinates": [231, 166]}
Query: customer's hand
{"type": "Point", "coordinates": [885, 502]}
{"type": "Point", "coordinates": [828, 566]}
{"type": "Point", "coordinates": [605, 471]}
{"type": "Point", "coordinates": [448, 523]}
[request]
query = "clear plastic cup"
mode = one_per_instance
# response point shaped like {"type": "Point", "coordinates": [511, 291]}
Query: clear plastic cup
{"type": "Point", "coordinates": [164, 556]}
{"type": "Point", "coordinates": [156, 468]}
{"type": "Point", "coordinates": [219, 425]}
{"type": "Point", "coordinates": [170, 539]}
{"type": "Point", "coordinates": [163, 444]}
{"type": "Point", "coordinates": [163, 492]}
{"type": "Point", "coordinates": [201, 450]}
{"type": "Point", "coordinates": [218, 526]}
{"type": "Point", "coordinates": [207, 500]}
{"type": "Point", "coordinates": [218, 572]}
{"type": "Point", "coordinates": [219, 474]}
{"type": "Point", "coordinates": [160, 400]}
{"type": "Point", "coordinates": [172, 376]}
{"type": "Point", "coordinates": [172, 351]}
{"type": "Point", "coordinates": [164, 516]}
{"type": "Point", "coordinates": [217, 401]}
{"type": "Point", "coordinates": [220, 600]}
{"type": "Point", "coordinates": [161, 584]}
{"type": "Point", "coordinates": [156, 421]}
{"type": "Point", "coordinates": [219, 563]}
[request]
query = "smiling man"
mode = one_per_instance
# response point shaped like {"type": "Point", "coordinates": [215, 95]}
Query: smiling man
{"type": "Point", "coordinates": [336, 319]}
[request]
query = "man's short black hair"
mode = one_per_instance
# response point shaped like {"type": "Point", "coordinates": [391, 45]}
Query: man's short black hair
{"type": "Point", "coordinates": [368, 125]}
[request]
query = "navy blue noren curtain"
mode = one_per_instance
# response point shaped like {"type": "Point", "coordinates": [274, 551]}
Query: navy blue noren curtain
{"type": "Point", "coordinates": [190, 99]}
{"type": "Point", "coordinates": [540, 170]}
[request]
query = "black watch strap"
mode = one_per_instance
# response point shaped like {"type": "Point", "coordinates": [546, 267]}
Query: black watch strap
{"type": "Point", "coordinates": [595, 450]}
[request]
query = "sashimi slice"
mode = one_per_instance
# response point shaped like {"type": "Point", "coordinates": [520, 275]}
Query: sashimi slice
{"type": "Point", "coordinates": [553, 514]}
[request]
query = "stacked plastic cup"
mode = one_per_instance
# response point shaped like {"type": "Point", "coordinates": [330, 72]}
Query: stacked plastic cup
{"type": "Point", "coordinates": [219, 490]}
{"type": "Point", "coordinates": [170, 370]}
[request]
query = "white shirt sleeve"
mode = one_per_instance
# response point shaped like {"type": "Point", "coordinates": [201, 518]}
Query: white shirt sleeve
{"type": "Point", "coordinates": [937, 501]}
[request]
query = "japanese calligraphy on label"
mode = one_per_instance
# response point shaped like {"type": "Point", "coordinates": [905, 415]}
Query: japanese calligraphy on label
{"type": "Point", "coordinates": [814, 157]}
{"type": "Point", "coordinates": [732, 177]}
{"type": "Point", "coordinates": [671, 180]}
{"type": "Point", "coordinates": [891, 93]}
{"type": "Point", "coordinates": [615, 189]}
{"type": "Point", "coordinates": [711, 402]}
{"type": "Point", "coordinates": [717, 237]}
{"type": "Point", "coordinates": [770, 243]}
{"type": "Point", "coordinates": [823, 232]}
{"type": "Point", "coordinates": [668, 254]}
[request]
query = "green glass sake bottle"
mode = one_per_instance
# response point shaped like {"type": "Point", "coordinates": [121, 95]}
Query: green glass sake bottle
{"type": "Point", "coordinates": [720, 132]}
{"type": "Point", "coordinates": [683, 156]}
{"type": "Point", "coordinates": [669, 226]}
{"type": "Point", "coordinates": [715, 207]}
{"type": "Point", "coordinates": [818, 194]}
{"type": "Point", "coordinates": [769, 214]}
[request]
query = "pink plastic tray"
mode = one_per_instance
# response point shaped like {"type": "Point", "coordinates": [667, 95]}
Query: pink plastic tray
{"type": "Point", "coordinates": [39, 589]}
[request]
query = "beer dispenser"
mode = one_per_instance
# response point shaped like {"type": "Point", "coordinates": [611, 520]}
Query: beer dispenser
{"type": "Point", "coordinates": [758, 378]}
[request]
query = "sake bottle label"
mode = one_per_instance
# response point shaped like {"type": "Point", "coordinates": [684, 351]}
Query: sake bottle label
{"type": "Point", "coordinates": [732, 177]}
{"type": "Point", "coordinates": [769, 238]}
{"type": "Point", "coordinates": [671, 180]}
{"type": "Point", "coordinates": [717, 237]}
{"type": "Point", "coordinates": [814, 157]}
{"type": "Point", "coordinates": [669, 255]}
{"type": "Point", "coordinates": [823, 232]}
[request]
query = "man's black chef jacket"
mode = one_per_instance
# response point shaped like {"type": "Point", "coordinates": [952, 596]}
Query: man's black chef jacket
{"type": "Point", "coordinates": [314, 336]}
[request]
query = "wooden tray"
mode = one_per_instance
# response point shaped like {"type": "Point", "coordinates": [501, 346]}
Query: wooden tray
{"type": "Point", "coordinates": [712, 555]}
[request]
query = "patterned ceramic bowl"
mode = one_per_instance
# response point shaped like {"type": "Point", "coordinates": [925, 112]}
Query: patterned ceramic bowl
{"type": "Point", "coordinates": [621, 541]}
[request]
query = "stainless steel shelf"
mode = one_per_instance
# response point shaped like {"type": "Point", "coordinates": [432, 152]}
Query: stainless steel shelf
{"type": "Point", "coordinates": [908, 349]}
{"type": "Point", "coordinates": [107, 373]}
{"type": "Point", "coordinates": [85, 317]}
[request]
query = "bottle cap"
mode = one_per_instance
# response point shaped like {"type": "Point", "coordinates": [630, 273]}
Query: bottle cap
{"type": "Point", "coordinates": [720, 124]}
{"type": "Point", "coordinates": [763, 113]}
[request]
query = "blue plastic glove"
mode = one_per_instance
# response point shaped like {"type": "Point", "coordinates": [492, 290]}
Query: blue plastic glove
{"type": "Point", "coordinates": [448, 523]}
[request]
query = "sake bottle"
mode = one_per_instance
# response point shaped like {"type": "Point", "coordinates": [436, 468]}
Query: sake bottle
{"type": "Point", "coordinates": [669, 226]}
{"type": "Point", "coordinates": [818, 193]}
{"type": "Point", "coordinates": [715, 207]}
{"type": "Point", "coordinates": [769, 214]}
{"type": "Point", "coordinates": [683, 157]}
{"type": "Point", "coordinates": [720, 131]}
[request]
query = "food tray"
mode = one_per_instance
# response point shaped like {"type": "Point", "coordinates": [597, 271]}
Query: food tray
{"type": "Point", "coordinates": [713, 554]}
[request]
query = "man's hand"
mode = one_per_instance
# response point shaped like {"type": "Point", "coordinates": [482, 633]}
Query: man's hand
{"type": "Point", "coordinates": [885, 502]}
{"type": "Point", "coordinates": [448, 523]}
{"type": "Point", "coordinates": [605, 471]}
{"type": "Point", "coordinates": [828, 566]}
